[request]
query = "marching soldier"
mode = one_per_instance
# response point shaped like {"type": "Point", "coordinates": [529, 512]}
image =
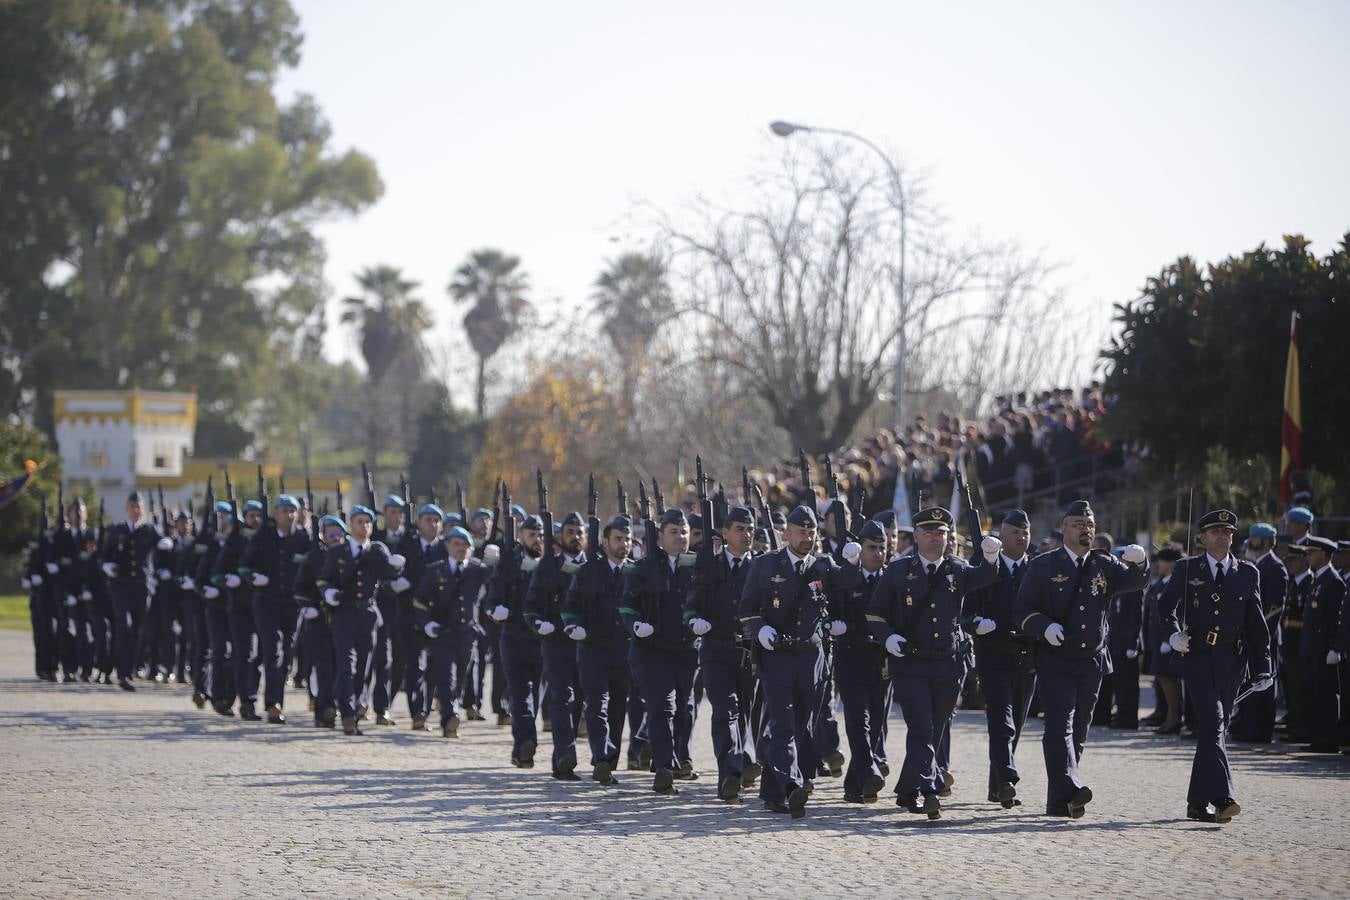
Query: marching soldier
{"type": "Point", "coordinates": [1213, 609]}
{"type": "Point", "coordinates": [1063, 602]}
{"type": "Point", "coordinates": [126, 551]}
{"type": "Point", "coordinates": [269, 563]}
{"type": "Point", "coordinates": [1164, 663]}
{"type": "Point", "coordinates": [592, 619]}
{"type": "Point", "coordinates": [860, 669]}
{"type": "Point", "coordinates": [422, 550]}
{"type": "Point", "coordinates": [66, 547]}
{"type": "Point", "coordinates": [787, 597]}
{"type": "Point", "coordinates": [316, 621]}
{"type": "Point", "coordinates": [915, 613]}
{"type": "Point", "coordinates": [1125, 636]}
{"type": "Point", "coordinates": [220, 684]}
{"type": "Point", "coordinates": [1293, 672]}
{"type": "Point", "coordinates": [247, 666]}
{"type": "Point", "coordinates": [1321, 618]}
{"type": "Point", "coordinates": [386, 669]}
{"type": "Point", "coordinates": [1255, 718]}
{"type": "Point", "coordinates": [190, 551]}
{"type": "Point", "coordinates": [1004, 659]}
{"type": "Point", "coordinates": [662, 653]}
{"type": "Point", "coordinates": [446, 604]}
{"type": "Point", "coordinates": [543, 613]}
{"type": "Point", "coordinates": [711, 613]}
{"type": "Point", "coordinates": [521, 657]}
{"type": "Point", "coordinates": [352, 574]}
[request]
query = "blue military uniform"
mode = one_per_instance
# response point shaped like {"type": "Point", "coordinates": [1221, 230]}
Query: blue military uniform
{"type": "Point", "coordinates": [543, 603]}
{"type": "Point", "coordinates": [128, 548]}
{"type": "Point", "coordinates": [448, 594]}
{"type": "Point", "coordinates": [1255, 718]}
{"type": "Point", "coordinates": [1293, 669]}
{"type": "Point", "coordinates": [924, 602]}
{"type": "Point", "coordinates": [1005, 662]}
{"type": "Point", "coordinates": [316, 630]}
{"type": "Point", "coordinates": [862, 678]}
{"type": "Point", "coordinates": [793, 596]}
{"type": "Point", "coordinates": [220, 671]}
{"type": "Point", "coordinates": [522, 659]}
{"type": "Point", "coordinates": [420, 555]}
{"type": "Point", "coordinates": [1322, 615]}
{"type": "Point", "coordinates": [269, 564]}
{"type": "Point", "coordinates": [1125, 637]}
{"type": "Point", "coordinates": [1074, 593]}
{"type": "Point", "coordinates": [387, 668]}
{"type": "Point", "coordinates": [246, 662]}
{"type": "Point", "coordinates": [1218, 603]}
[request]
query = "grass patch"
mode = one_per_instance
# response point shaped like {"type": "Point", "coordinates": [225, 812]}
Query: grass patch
{"type": "Point", "coordinates": [14, 612]}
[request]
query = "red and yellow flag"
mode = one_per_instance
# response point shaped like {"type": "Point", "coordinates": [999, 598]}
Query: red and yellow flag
{"type": "Point", "coordinates": [1291, 425]}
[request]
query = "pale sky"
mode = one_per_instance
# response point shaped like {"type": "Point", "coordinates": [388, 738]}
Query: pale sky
{"type": "Point", "coordinates": [1111, 137]}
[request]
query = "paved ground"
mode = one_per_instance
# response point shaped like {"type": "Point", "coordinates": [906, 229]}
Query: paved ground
{"type": "Point", "coordinates": [104, 792]}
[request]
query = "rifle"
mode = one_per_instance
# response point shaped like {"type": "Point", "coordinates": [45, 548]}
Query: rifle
{"type": "Point", "coordinates": [60, 506]}
{"type": "Point", "coordinates": [208, 510]}
{"type": "Point", "coordinates": [508, 567]}
{"type": "Point", "coordinates": [370, 490]}
{"type": "Point", "coordinates": [408, 512]}
{"type": "Point", "coordinates": [340, 512]}
{"type": "Point", "coordinates": [705, 558]}
{"type": "Point", "coordinates": [154, 514]}
{"type": "Point", "coordinates": [622, 498]}
{"type": "Point", "coordinates": [747, 495]}
{"type": "Point", "coordinates": [192, 518]}
{"type": "Point", "coordinates": [44, 524]}
{"type": "Point", "coordinates": [102, 520]}
{"type": "Point", "coordinates": [497, 509]}
{"type": "Point", "coordinates": [652, 538]}
{"type": "Point", "coordinates": [768, 519]}
{"type": "Point", "coordinates": [857, 497]}
{"type": "Point", "coordinates": [313, 514]}
{"type": "Point", "coordinates": [281, 483]}
{"type": "Point", "coordinates": [168, 522]}
{"type": "Point", "coordinates": [808, 487]}
{"type": "Point", "coordinates": [229, 497]}
{"type": "Point", "coordinates": [546, 516]}
{"type": "Point", "coordinates": [459, 499]}
{"type": "Point", "coordinates": [592, 518]}
{"type": "Point", "coordinates": [838, 511]}
{"type": "Point", "coordinates": [660, 500]}
{"type": "Point", "coordinates": [972, 514]}
{"type": "Point", "coordinates": [268, 520]}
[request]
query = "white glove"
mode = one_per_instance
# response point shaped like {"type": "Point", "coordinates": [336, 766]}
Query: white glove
{"type": "Point", "coordinates": [500, 613]}
{"type": "Point", "coordinates": [52, 568]}
{"type": "Point", "coordinates": [398, 561]}
{"type": "Point", "coordinates": [1263, 684]}
{"type": "Point", "coordinates": [165, 544]}
{"type": "Point", "coordinates": [432, 629]}
{"type": "Point", "coordinates": [991, 547]}
{"type": "Point", "coordinates": [37, 580]}
{"type": "Point", "coordinates": [25, 583]}
{"type": "Point", "coordinates": [1133, 554]}
{"type": "Point", "coordinates": [1054, 634]}
{"type": "Point", "coordinates": [1131, 654]}
{"type": "Point", "coordinates": [210, 592]}
{"type": "Point", "coordinates": [852, 550]}
{"type": "Point", "coordinates": [110, 569]}
{"type": "Point", "coordinates": [895, 645]}
{"type": "Point", "coordinates": [643, 630]}
{"type": "Point", "coordinates": [309, 613]}
{"type": "Point", "coordinates": [187, 583]}
{"type": "Point", "coordinates": [86, 596]}
{"type": "Point", "coordinates": [260, 580]}
{"type": "Point", "coordinates": [492, 554]}
{"type": "Point", "coordinates": [164, 574]}
{"type": "Point", "coordinates": [1333, 658]}
{"type": "Point", "coordinates": [176, 628]}
{"type": "Point", "coordinates": [1165, 648]}
{"type": "Point", "coordinates": [70, 600]}
{"type": "Point", "coordinates": [330, 596]}
{"type": "Point", "coordinates": [1181, 641]}
{"type": "Point", "coordinates": [576, 632]}
{"type": "Point", "coordinates": [233, 581]}
{"type": "Point", "coordinates": [545, 629]}
{"type": "Point", "coordinates": [400, 584]}
{"type": "Point", "coordinates": [767, 635]}
{"type": "Point", "coordinates": [699, 626]}
{"type": "Point", "coordinates": [984, 626]}
{"type": "Point", "coordinates": [837, 627]}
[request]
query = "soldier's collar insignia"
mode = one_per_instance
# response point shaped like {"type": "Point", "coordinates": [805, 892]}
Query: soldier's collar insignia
{"type": "Point", "coordinates": [1060, 578]}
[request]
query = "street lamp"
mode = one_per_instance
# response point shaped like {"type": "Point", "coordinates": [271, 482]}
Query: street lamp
{"type": "Point", "coordinates": [787, 129]}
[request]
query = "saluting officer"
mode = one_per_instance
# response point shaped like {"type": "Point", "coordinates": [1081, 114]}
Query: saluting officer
{"type": "Point", "coordinates": [916, 613]}
{"type": "Point", "coordinates": [352, 574]}
{"type": "Point", "coordinates": [446, 604]}
{"type": "Point", "coordinates": [269, 563]}
{"type": "Point", "coordinates": [591, 618]}
{"type": "Point", "coordinates": [711, 613]}
{"type": "Point", "coordinates": [860, 669]}
{"type": "Point", "coordinates": [788, 596]}
{"type": "Point", "coordinates": [1004, 659]}
{"type": "Point", "coordinates": [1213, 606]}
{"type": "Point", "coordinates": [1063, 603]}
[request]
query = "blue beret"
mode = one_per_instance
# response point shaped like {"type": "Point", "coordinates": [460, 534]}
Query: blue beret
{"type": "Point", "coordinates": [618, 523]}
{"type": "Point", "coordinates": [1299, 514]}
{"type": "Point", "coordinates": [517, 510]}
{"type": "Point", "coordinates": [1077, 508]}
{"type": "Point", "coordinates": [431, 509]}
{"type": "Point", "coordinates": [223, 506]}
{"type": "Point", "coordinates": [333, 521]}
{"type": "Point", "coordinates": [286, 501]}
{"type": "Point", "coordinates": [1218, 518]}
{"type": "Point", "coordinates": [1317, 542]}
{"type": "Point", "coordinates": [696, 521]}
{"type": "Point", "coordinates": [1262, 530]}
{"type": "Point", "coordinates": [802, 516]}
{"type": "Point", "coordinates": [573, 518]}
{"type": "Point", "coordinates": [1017, 518]}
{"type": "Point", "coordinates": [674, 516]}
{"type": "Point", "coordinates": [738, 515]}
{"type": "Point", "coordinates": [557, 528]}
{"type": "Point", "coordinates": [532, 523]}
{"type": "Point", "coordinates": [395, 501]}
{"type": "Point", "coordinates": [872, 531]}
{"type": "Point", "coordinates": [933, 517]}
{"type": "Point", "coordinates": [480, 513]}
{"type": "Point", "coordinates": [252, 506]}
{"type": "Point", "coordinates": [461, 533]}
{"type": "Point", "coordinates": [452, 518]}
{"type": "Point", "coordinates": [359, 510]}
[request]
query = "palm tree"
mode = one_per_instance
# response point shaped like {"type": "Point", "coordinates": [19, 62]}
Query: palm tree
{"type": "Point", "coordinates": [634, 299]}
{"type": "Point", "coordinates": [492, 282]}
{"type": "Point", "coordinates": [391, 321]}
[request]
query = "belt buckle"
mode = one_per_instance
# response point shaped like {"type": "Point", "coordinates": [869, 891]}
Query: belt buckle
{"type": "Point", "coordinates": [1212, 638]}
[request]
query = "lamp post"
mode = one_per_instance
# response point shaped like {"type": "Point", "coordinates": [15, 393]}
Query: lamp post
{"type": "Point", "coordinates": [786, 129]}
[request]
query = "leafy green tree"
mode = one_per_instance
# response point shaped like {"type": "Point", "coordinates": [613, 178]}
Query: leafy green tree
{"type": "Point", "coordinates": [157, 203]}
{"type": "Point", "coordinates": [495, 287]}
{"type": "Point", "coordinates": [1199, 361]}
{"type": "Point", "coordinates": [448, 440]}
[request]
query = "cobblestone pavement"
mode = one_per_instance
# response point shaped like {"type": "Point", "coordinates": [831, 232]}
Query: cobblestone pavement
{"type": "Point", "coordinates": [104, 792]}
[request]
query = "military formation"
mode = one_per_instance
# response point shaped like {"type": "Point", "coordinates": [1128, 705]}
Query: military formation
{"type": "Point", "coordinates": [613, 631]}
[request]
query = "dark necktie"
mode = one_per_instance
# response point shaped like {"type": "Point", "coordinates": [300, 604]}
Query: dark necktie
{"type": "Point", "coordinates": [1218, 576]}
{"type": "Point", "coordinates": [735, 567]}
{"type": "Point", "coordinates": [800, 567]}
{"type": "Point", "coordinates": [932, 568]}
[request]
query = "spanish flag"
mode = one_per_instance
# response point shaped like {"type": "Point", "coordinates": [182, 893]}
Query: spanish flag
{"type": "Point", "coordinates": [11, 489]}
{"type": "Point", "coordinates": [1291, 425]}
